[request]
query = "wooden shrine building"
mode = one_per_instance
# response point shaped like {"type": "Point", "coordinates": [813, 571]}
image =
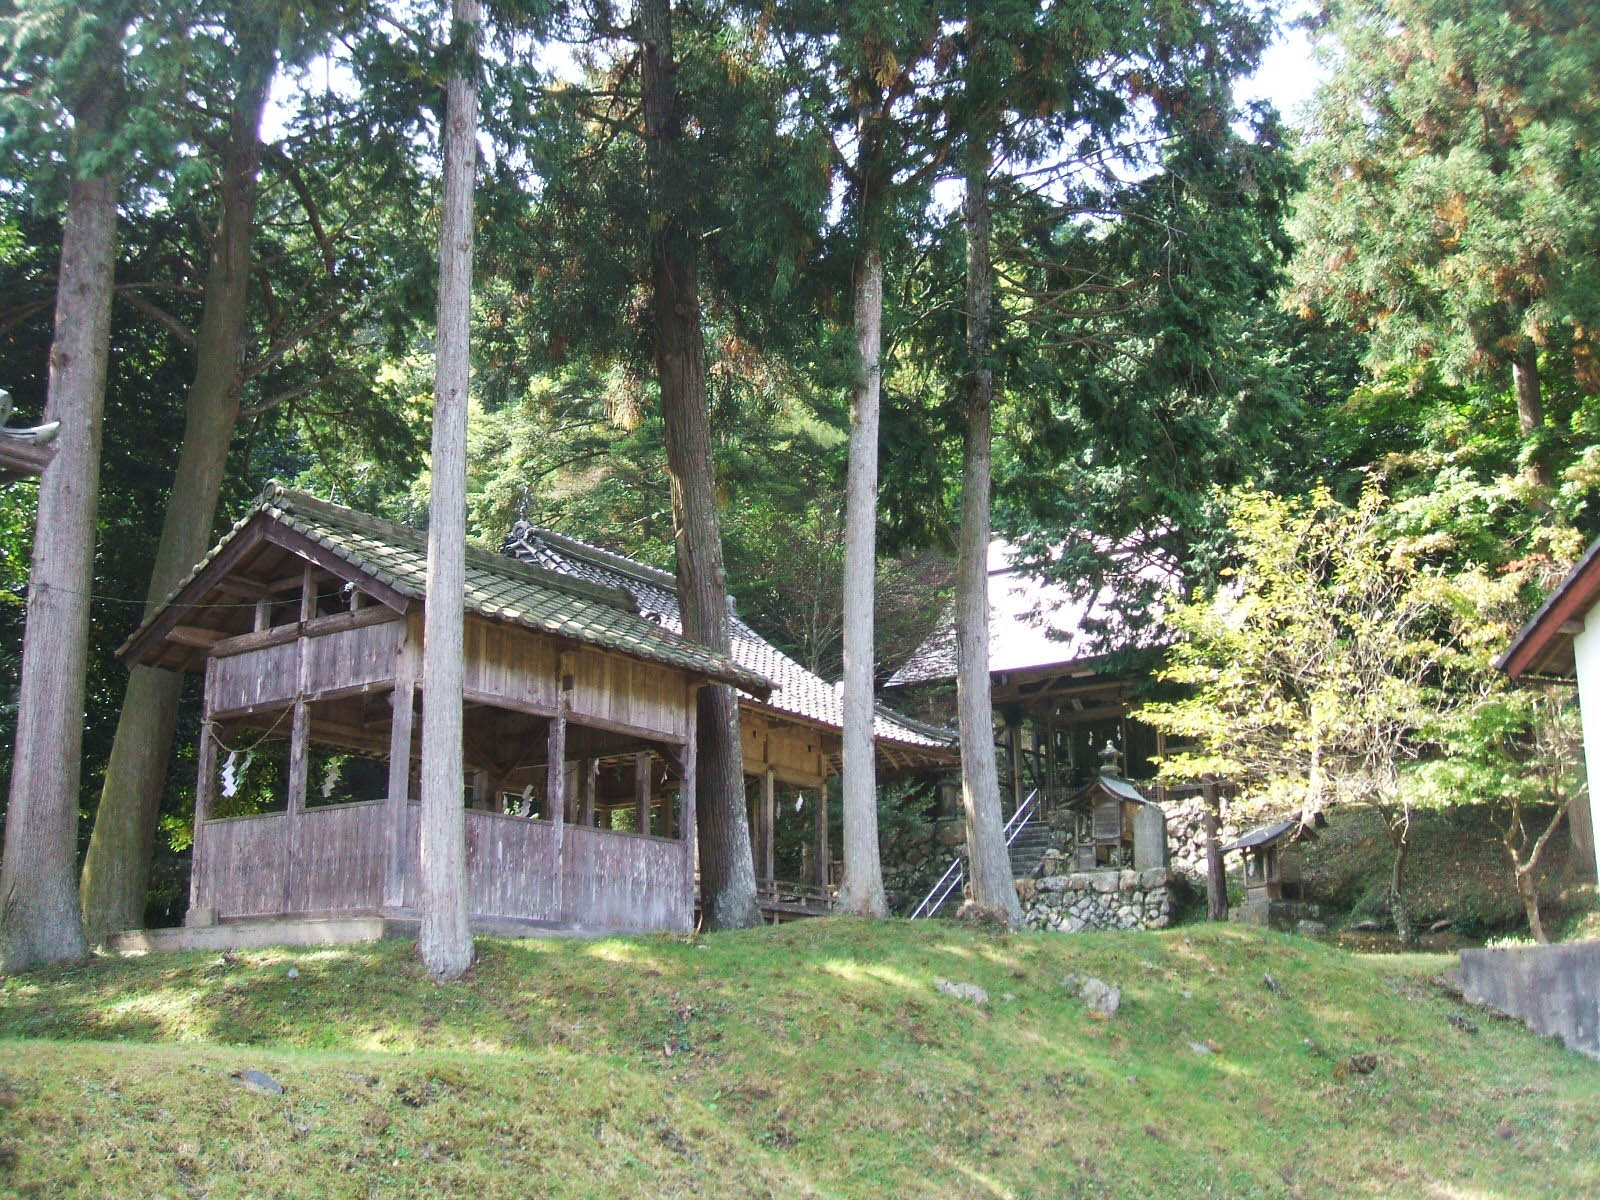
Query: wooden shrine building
{"type": "Point", "coordinates": [579, 739]}
{"type": "Point", "coordinates": [792, 736]}
{"type": "Point", "coordinates": [1056, 698]}
{"type": "Point", "coordinates": [1274, 864]}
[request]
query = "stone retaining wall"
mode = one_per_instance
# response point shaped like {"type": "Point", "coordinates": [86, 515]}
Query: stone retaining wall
{"type": "Point", "coordinates": [1098, 900]}
{"type": "Point", "coordinates": [1186, 838]}
{"type": "Point", "coordinates": [1555, 989]}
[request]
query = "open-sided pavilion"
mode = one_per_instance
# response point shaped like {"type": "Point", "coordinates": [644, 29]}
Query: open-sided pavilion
{"type": "Point", "coordinates": [306, 621]}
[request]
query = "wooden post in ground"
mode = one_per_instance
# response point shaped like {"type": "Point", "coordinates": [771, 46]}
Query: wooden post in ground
{"type": "Point", "coordinates": [641, 793]}
{"type": "Point", "coordinates": [555, 784]}
{"type": "Point", "coordinates": [1014, 754]}
{"type": "Point", "coordinates": [769, 821]}
{"type": "Point", "coordinates": [819, 846]}
{"type": "Point", "coordinates": [205, 789]}
{"type": "Point", "coordinates": [402, 705]}
{"type": "Point", "coordinates": [686, 803]}
{"type": "Point", "coordinates": [299, 741]}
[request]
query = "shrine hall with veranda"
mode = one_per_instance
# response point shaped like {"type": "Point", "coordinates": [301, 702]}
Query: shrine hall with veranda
{"type": "Point", "coordinates": [579, 723]}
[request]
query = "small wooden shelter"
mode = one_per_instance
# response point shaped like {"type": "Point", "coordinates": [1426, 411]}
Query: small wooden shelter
{"type": "Point", "coordinates": [579, 731]}
{"type": "Point", "coordinates": [1114, 825]}
{"type": "Point", "coordinates": [1273, 863]}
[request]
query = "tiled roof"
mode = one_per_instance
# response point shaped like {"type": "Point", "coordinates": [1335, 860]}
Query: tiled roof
{"type": "Point", "coordinates": [796, 690]}
{"type": "Point", "coordinates": [1032, 623]}
{"type": "Point", "coordinates": [497, 587]}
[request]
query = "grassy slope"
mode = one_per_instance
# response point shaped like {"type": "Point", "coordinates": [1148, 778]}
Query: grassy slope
{"type": "Point", "coordinates": [812, 1059]}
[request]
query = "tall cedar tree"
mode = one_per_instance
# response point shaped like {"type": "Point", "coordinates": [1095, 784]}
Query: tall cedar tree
{"type": "Point", "coordinates": [117, 866]}
{"type": "Point", "coordinates": [727, 869]}
{"type": "Point", "coordinates": [1140, 245]}
{"type": "Point", "coordinates": [870, 69]}
{"type": "Point", "coordinates": [1046, 97]}
{"type": "Point", "coordinates": [445, 938]}
{"type": "Point", "coordinates": [988, 860]}
{"type": "Point", "coordinates": [1454, 198]}
{"type": "Point", "coordinates": [39, 915]}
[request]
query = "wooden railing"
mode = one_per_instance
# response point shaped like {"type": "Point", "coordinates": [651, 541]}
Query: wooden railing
{"type": "Point", "coordinates": [333, 860]}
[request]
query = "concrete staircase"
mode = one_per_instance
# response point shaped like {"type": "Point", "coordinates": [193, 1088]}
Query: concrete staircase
{"type": "Point", "coordinates": [1028, 848]}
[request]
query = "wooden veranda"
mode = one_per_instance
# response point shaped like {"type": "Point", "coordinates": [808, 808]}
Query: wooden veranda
{"type": "Point", "coordinates": [579, 718]}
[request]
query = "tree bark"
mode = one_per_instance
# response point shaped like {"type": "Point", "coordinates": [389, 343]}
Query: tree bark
{"type": "Point", "coordinates": [39, 915]}
{"type": "Point", "coordinates": [1400, 840]}
{"type": "Point", "coordinates": [445, 939]}
{"type": "Point", "coordinates": [116, 869]}
{"type": "Point", "coordinates": [1216, 870]}
{"type": "Point", "coordinates": [988, 861]}
{"type": "Point", "coordinates": [1530, 413]}
{"type": "Point", "coordinates": [727, 871]}
{"type": "Point", "coordinates": [861, 889]}
{"type": "Point", "coordinates": [1530, 902]}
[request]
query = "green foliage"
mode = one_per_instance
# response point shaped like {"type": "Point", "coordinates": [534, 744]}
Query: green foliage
{"type": "Point", "coordinates": [1455, 181]}
{"type": "Point", "coordinates": [1323, 662]}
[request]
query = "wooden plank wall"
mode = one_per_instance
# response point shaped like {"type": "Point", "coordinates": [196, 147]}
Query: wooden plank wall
{"type": "Point", "coordinates": [340, 855]}
{"type": "Point", "coordinates": [508, 866]}
{"type": "Point", "coordinates": [350, 658]}
{"type": "Point", "coordinates": [241, 872]}
{"type": "Point", "coordinates": [617, 691]}
{"type": "Point", "coordinates": [797, 754]}
{"type": "Point", "coordinates": [257, 677]}
{"type": "Point", "coordinates": [336, 864]}
{"type": "Point", "coordinates": [610, 880]}
{"type": "Point", "coordinates": [507, 663]}
{"type": "Point", "coordinates": [624, 881]}
{"type": "Point", "coordinates": [354, 657]}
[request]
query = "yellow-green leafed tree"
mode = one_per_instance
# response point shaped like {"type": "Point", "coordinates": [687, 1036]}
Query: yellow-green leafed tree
{"type": "Point", "coordinates": [1320, 666]}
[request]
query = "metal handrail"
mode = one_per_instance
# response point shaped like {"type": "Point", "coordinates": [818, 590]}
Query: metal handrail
{"type": "Point", "coordinates": [954, 875]}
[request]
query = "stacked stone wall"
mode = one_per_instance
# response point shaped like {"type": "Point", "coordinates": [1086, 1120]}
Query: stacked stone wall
{"type": "Point", "coordinates": [1098, 900]}
{"type": "Point", "coordinates": [1186, 838]}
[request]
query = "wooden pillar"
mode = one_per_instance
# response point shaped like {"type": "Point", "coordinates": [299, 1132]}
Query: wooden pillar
{"type": "Point", "coordinates": [299, 741]}
{"type": "Point", "coordinates": [402, 705]}
{"type": "Point", "coordinates": [819, 849]}
{"type": "Point", "coordinates": [555, 784]}
{"type": "Point", "coordinates": [263, 613]}
{"type": "Point", "coordinates": [769, 821]}
{"type": "Point", "coordinates": [1014, 755]}
{"type": "Point", "coordinates": [641, 793]}
{"type": "Point", "coordinates": [686, 802]}
{"type": "Point", "coordinates": [205, 788]}
{"type": "Point", "coordinates": [587, 769]}
{"type": "Point", "coordinates": [1052, 769]}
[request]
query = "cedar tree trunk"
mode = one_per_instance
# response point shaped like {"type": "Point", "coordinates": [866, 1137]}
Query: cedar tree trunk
{"type": "Point", "coordinates": [727, 870]}
{"type": "Point", "coordinates": [445, 939]}
{"type": "Point", "coordinates": [1530, 412]}
{"type": "Point", "coordinates": [39, 915]}
{"type": "Point", "coordinates": [116, 870]}
{"type": "Point", "coordinates": [861, 889]}
{"type": "Point", "coordinates": [988, 861]}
